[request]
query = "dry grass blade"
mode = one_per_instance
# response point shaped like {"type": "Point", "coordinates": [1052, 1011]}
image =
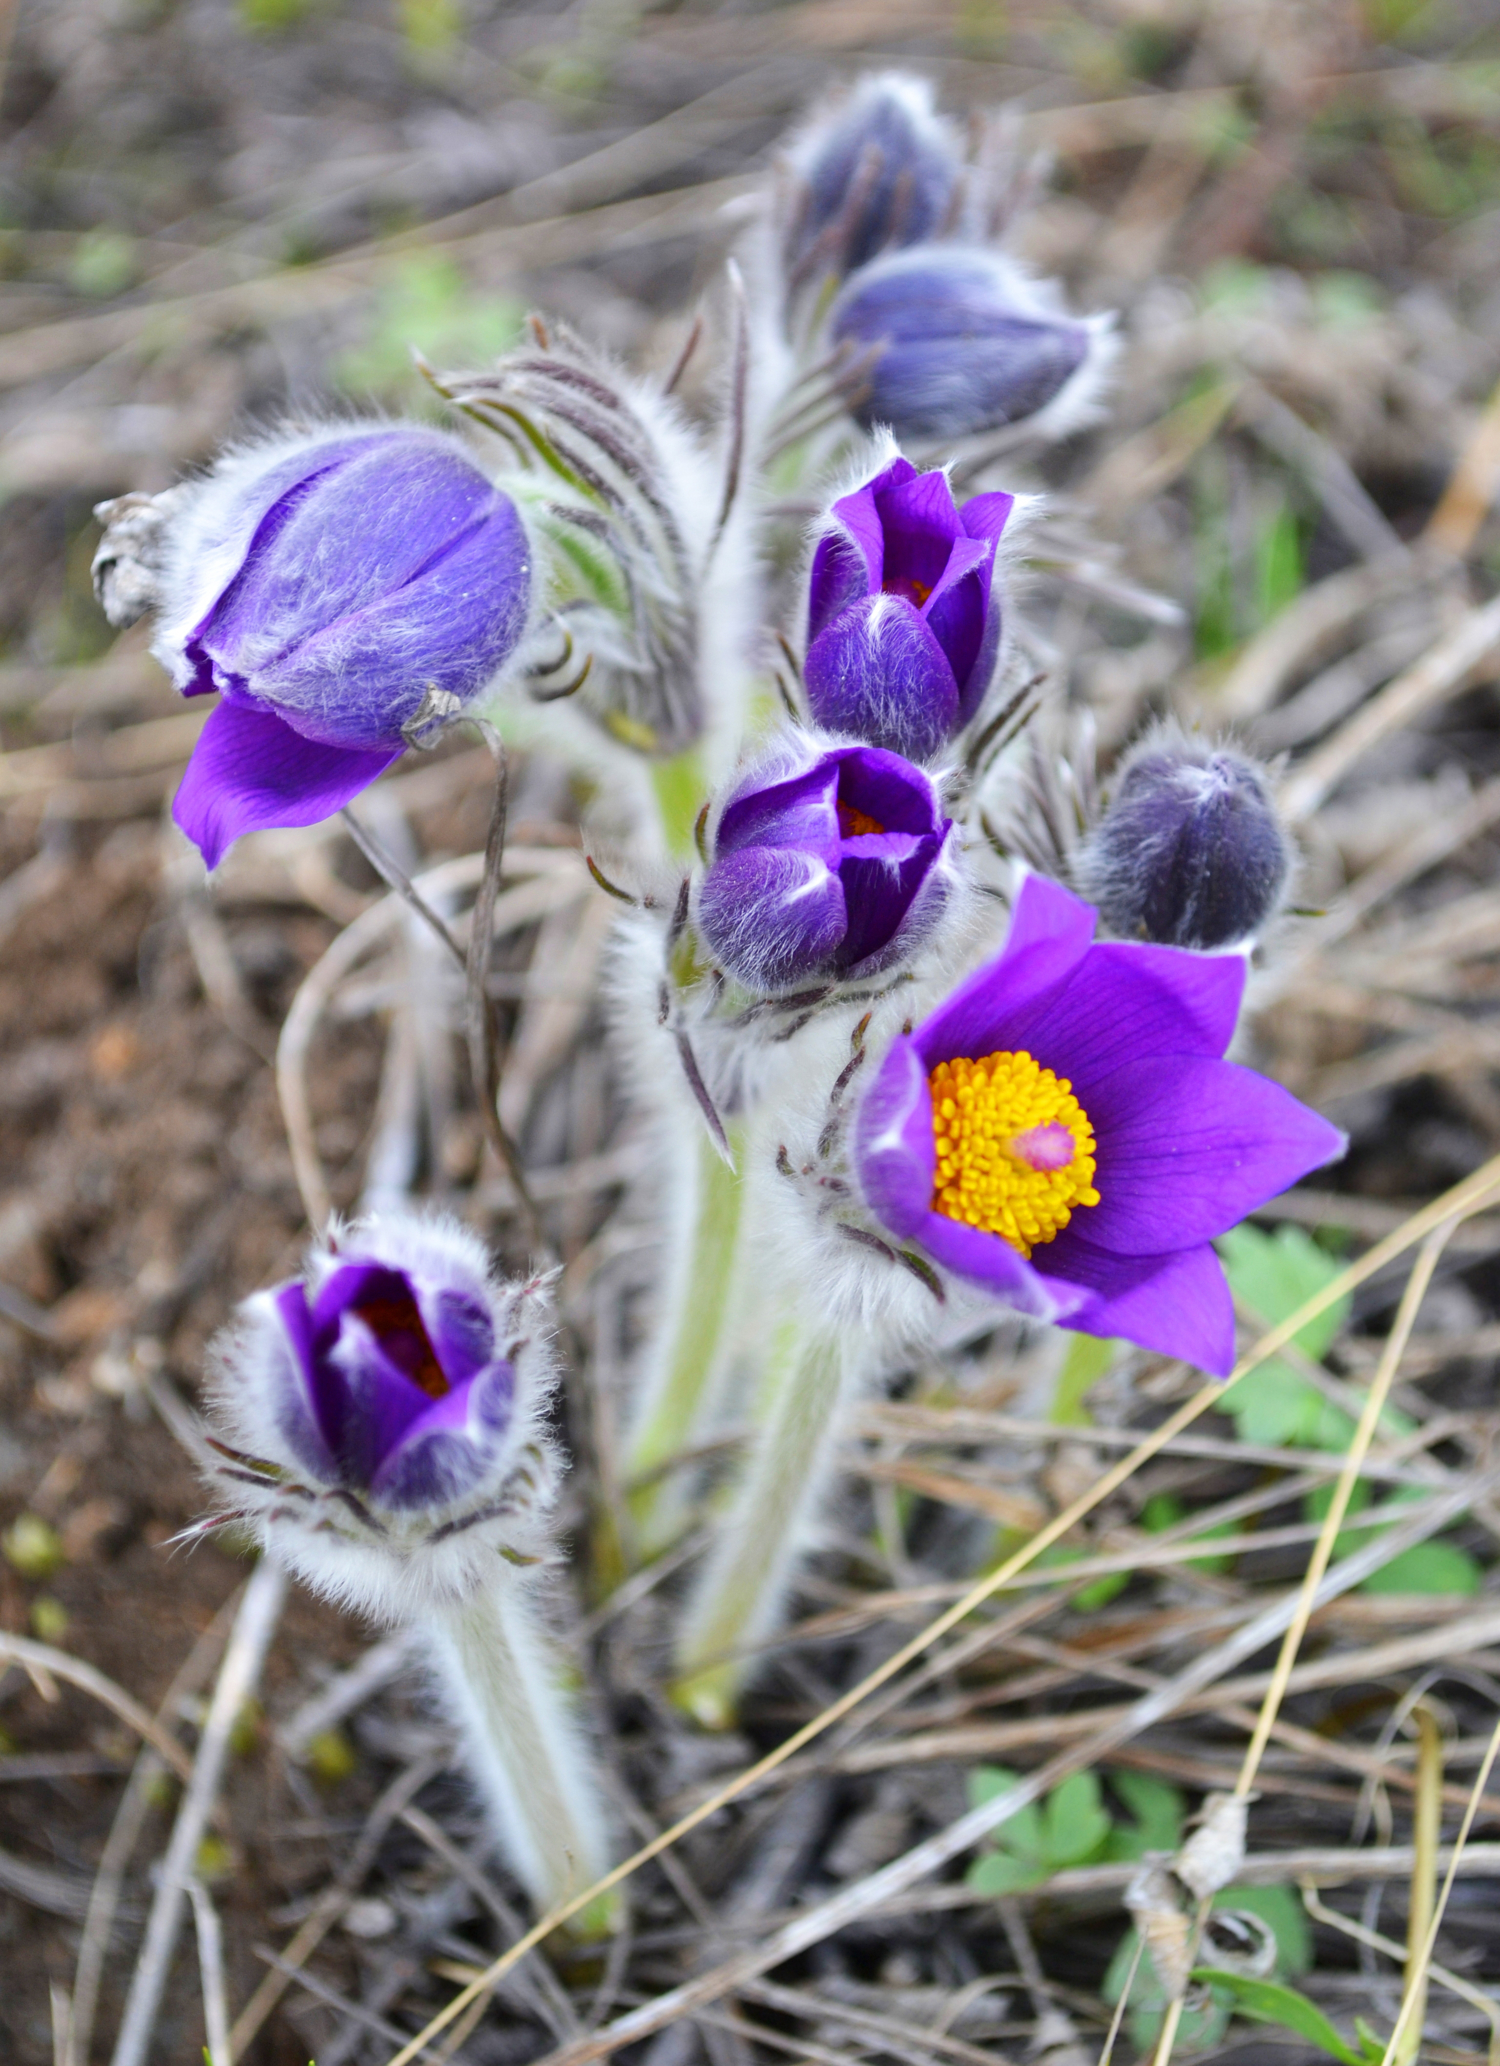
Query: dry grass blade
{"type": "Point", "coordinates": [254, 1626]}
{"type": "Point", "coordinates": [41, 1659]}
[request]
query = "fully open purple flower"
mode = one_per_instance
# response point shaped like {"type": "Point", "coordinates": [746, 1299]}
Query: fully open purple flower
{"type": "Point", "coordinates": [876, 171]}
{"type": "Point", "coordinates": [382, 1377]}
{"type": "Point", "coordinates": [1064, 1133]}
{"type": "Point", "coordinates": [328, 585]}
{"type": "Point", "coordinates": [903, 621]}
{"type": "Point", "coordinates": [968, 343]}
{"type": "Point", "coordinates": [827, 865]}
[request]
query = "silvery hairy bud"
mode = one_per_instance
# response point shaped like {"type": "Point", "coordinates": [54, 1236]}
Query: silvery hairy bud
{"type": "Point", "coordinates": [874, 170]}
{"type": "Point", "coordinates": [965, 341]}
{"type": "Point", "coordinates": [1190, 851]}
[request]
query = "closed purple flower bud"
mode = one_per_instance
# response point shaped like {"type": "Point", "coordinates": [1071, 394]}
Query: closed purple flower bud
{"type": "Point", "coordinates": [967, 343]}
{"type": "Point", "coordinates": [1190, 852]}
{"type": "Point", "coordinates": [331, 587]}
{"type": "Point", "coordinates": [903, 621]}
{"type": "Point", "coordinates": [879, 170]}
{"type": "Point", "coordinates": [395, 1372]}
{"type": "Point", "coordinates": [827, 865]}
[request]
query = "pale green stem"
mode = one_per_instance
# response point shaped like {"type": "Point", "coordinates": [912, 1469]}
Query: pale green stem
{"type": "Point", "coordinates": [504, 1685]}
{"type": "Point", "coordinates": [761, 1535]}
{"type": "Point", "coordinates": [694, 1335]}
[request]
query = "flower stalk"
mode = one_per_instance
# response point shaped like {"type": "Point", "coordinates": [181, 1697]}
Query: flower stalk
{"type": "Point", "coordinates": [760, 1537]}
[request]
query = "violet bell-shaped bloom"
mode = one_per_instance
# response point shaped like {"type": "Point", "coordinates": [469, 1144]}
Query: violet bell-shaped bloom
{"type": "Point", "coordinates": [383, 1374]}
{"type": "Point", "coordinates": [877, 169]}
{"type": "Point", "coordinates": [1064, 1133]}
{"type": "Point", "coordinates": [967, 343]}
{"type": "Point", "coordinates": [904, 617]}
{"type": "Point", "coordinates": [1190, 852]}
{"type": "Point", "coordinates": [331, 586]}
{"type": "Point", "coordinates": [827, 865]}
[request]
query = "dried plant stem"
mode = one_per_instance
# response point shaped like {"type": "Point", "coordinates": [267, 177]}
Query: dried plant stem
{"type": "Point", "coordinates": [1474, 1996]}
{"type": "Point", "coordinates": [130, 1818]}
{"type": "Point", "coordinates": [502, 1682]}
{"type": "Point", "coordinates": [758, 1541]}
{"type": "Point", "coordinates": [1407, 2018]}
{"type": "Point", "coordinates": [43, 1664]}
{"type": "Point", "coordinates": [211, 1970]}
{"type": "Point", "coordinates": [254, 1626]}
{"type": "Point", "coordinates": [1473, 1190]}
{"type": "Point", "coordinates": [1427, 1825]}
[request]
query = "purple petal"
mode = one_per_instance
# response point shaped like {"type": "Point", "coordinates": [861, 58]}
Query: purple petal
{"type": "Point", "coordinates": [799, 810]}
{"type": "Point", "coordinates": [1050, 933]}
{"type": "Point", "coordinates": [1177, 1305]}
{"type": "Point", "coordinates": [250, 771]}
{"type": "Point", "coordinates": [443, 1454]}
{"type": "Point", "coordinates": [878, 671]}
{"type": "Point", "coordinates": [312, 1401]}
{"type": "Point", "coordinates": [460, 1330]}
{"type": "Point", "coordinates": [894, 1152]}
{"type": "Point", "coordinates": [1188, 1147]}
{"type": "Point", "coordinates": [859, 514]}
{"type": "Point", "coordinates": [986, 516]}
{"type": "Point", "coordinates": [984, 1259]}
{"type": "Point", "coordinates": [920, 527]}
{"type": "Point", "coordinates": [887, 788]}
{"type": "Point", "coordinates": [772, 917]}
{"type": "Point", "coordinates": [1125, 1002]}
{"type": "Point", "coordinates": [891, 904]}
{"type": "Point", "coordinates": [400, 570]}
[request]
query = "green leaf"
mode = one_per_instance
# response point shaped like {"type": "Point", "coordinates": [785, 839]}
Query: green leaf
{"type": "Point", "coordinates": [1277, 1272]}
{"type": "Point", "coordinates": [1428, 1567]}
{"type": "Point", "coordinates": [1022, 1834]}
{"type": "Point", "coordinates": [1158, 1809]}
{"type": "Point", "coordinates": [1085, 1363]}
{"type": "Point", "coordinates": [1283, 1914]}
{"type": "Point", "coordinates": [1075, 1823]}
{"type": "Point", "coordinates": [1100, 1591]}
{"type": "Point", "coordinates": [1264, 2002]}
{"type": "Point", "coordinates": [998, 1872]}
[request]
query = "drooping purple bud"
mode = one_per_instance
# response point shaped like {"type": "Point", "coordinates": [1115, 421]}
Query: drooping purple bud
{"type": "Point", "coordinates": [827, 865]}
{"type": "Point", "coordinates": [1190, 852]}
{"type": "Point", "coordinates": [390, 1372]}
{"type": "Point", "coordinates": [903, 618]}
{"type": "Point", "coordinates": [332, 586]}
{"type": "Point", "coordinates": [967, 343]}
{"type": "Point", "coordinates": [876, 170]}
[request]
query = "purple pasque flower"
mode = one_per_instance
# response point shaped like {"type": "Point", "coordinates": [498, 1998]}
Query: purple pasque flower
{"type": "Point", "coordinates": [386, 1372]}
{"type": "Point", "coordinates": [967, 343]}
{"type": "Point", "coordinates": [878, 169]}
{"type": "Point", "coordinates": [829, 863]}
{"type": "Point", "coordinates": [903, 620]}
{"type": "Point", "coordinates": [331, 585]}
{"type": "Point", "coordinates": [1064, 1132]}
{"type": "Point", "coordinates": [1191, 851]}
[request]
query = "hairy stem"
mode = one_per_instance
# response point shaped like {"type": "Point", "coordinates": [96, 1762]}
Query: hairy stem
{"type": "Point", "coordinates": [762, 1532]}
{"type": "Point", "coordinates": [504, 1685]}
{"type": "Point", "coordinates": [685, 1357]}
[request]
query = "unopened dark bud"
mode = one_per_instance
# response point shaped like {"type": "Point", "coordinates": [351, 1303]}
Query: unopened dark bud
{"type": "Point", "coordinates": [1190, 852]}
{"type": "Point", "coordinates": [877, 171]}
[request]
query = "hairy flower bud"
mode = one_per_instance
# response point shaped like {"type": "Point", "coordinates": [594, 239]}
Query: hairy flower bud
{"type": "Point", "coordinates": [1190, 852]}
{"type": "Point", "coordinates": [876, 169]}
{"type": "Point", "coordinates": [903, 620]}
{"type": "Point", "coordinates": [333, 586]}
{"type": "Point", "coordinates": [390, 1403]}
{"type": "Point", "coordinates": [827, 865]}
{"type": "Point", "coordinates": [967, 343]}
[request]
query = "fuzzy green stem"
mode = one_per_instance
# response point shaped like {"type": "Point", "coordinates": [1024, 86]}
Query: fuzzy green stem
{"type": "Point", "coordinates": [762, 1533]}
{"type": "Point", "coordinates": [504, 1685]}
{"type": "Point", "coordinates": [685, 1355]}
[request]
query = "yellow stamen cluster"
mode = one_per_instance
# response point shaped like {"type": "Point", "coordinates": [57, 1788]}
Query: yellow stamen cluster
{"type": "Point", "coordinates": [981, 1113]}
